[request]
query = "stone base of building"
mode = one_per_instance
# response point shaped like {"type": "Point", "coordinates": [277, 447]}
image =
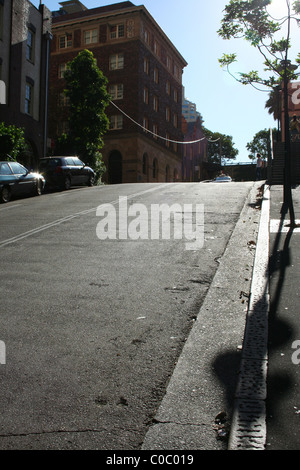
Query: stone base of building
{"type": "Point", "coordinates": [136, 159]}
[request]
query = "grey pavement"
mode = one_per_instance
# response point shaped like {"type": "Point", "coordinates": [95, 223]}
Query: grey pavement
{"type": "Point", "coordinates": [283, 402]}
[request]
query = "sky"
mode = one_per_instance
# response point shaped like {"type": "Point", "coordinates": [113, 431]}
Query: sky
{"type": "Point", "coordinates": [226, 106]}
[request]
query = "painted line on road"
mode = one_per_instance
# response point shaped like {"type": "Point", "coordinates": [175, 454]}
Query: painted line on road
{"type": "Point", "coordinates": [275, 225]}
{"type": "Point", "coordinates": [50, 225]}
{"type": "Point", "coordinates": [9, 207]}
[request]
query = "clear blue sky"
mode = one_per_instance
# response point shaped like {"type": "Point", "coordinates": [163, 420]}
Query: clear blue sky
{"type": "Point", "coordinates": [225, 105]}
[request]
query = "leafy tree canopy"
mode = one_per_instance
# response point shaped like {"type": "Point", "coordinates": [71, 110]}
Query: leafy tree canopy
{"type": "Point", "coordinates": [260, 144]}
{"type": "Point", "coordinates": [12, 141]}
{"type": "Point", "coordinates": [249, 19]}
{"type": "Point", "coordinates": [220, 147]}
{"type": "Point", "coordinates": [88, 99]}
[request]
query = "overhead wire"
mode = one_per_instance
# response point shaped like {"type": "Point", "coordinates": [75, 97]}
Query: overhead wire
{"type": "Point", "coordinates": [159, 136]}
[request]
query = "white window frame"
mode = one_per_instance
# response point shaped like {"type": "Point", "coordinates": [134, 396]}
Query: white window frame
{"type": "Point", "coordinates": [116, 61]}
{"type": "Point", "coordinates": [90, 36]}
{"type": "Point", "coordinates": [116, 91]}
{"type": "Point", "coordinates": [30, 45]}
{"type": "Point", "coordinates": [61, 70]}
{"type": "Point", "coordinates": [117, 31]}
{"type": "Point", "coordinates": [65, 41]}
{"type": "Point", "coordinates": [116, 122]}
{"type": "Point", "coordinates": [29, 88]}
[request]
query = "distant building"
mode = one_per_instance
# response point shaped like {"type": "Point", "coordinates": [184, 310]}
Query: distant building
{"type": "Point", "coordinates": [194, 152]}
{"type": "Point", "coordinates": [189, 111]}
{"type": "Point", "coordinates": [144, 70]}
{"type": "Point", "coordinates": [25, 33]}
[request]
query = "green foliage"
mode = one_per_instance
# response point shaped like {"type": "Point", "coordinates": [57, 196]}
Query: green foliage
{"type": "Point", "coordinates": [260, 144]}
{"type": "Point", "coordinates": [249, 19]}
{"type": "Point", "coordinates": [88, 99]}
{"type": "Point", "coordinates": [12, 141]}
{"type": "Point", "coordinates": [220, 147]}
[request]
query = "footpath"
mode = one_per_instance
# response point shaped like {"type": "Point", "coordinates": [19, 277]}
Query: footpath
{"type": "Point", "coordinates": [283, 381]}
{"type": "Point", "coordinates": [249, 372]}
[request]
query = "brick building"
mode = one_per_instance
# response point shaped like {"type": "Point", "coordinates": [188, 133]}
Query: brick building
{"type": "Point", "coordinates": [194, 152]}
{"type": "Point", "coordinates": [25, 33]}
{"type": "Point", "coordinates": [144, 71]}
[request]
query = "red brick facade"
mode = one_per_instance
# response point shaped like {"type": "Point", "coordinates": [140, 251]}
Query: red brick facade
{"type": "Point", "coordinates": [150, 75]}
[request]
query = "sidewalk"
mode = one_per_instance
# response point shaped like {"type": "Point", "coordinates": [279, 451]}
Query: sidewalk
{"type": "Point", "coordinates": [283, 383]}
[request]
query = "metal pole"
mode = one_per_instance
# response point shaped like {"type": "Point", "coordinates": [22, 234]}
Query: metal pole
{"type": "Point", "coordinates": [288, 199]}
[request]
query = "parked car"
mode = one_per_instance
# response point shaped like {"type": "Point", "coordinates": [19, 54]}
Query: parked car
{"type": "Point", "coordinates": [222, 179]}
{"type": "Point", "coordinates": [64, 172]}
{"type": "Point", "coordinates": [16, 180]}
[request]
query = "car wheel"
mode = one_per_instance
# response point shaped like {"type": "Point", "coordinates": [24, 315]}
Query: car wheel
{"type": "Point", "coordinates": [67, 183]}
{"type": "Point", "coordinates": [5, 194]}
{"type": "Point", "coordinates": [91, 180]}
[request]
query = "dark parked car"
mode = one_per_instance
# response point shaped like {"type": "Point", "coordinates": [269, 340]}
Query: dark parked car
{"type": "Point", "coordinates": [63, 172]}
{"type": "Point", "coordinates": [16, 180]}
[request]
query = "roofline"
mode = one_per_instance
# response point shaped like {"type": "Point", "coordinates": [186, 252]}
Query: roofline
{"type": "Point", "coordinates": [63, 21]}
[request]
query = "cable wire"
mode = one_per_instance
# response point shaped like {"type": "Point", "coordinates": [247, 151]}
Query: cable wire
{"type": "Point", "coordinates": [159, 136]}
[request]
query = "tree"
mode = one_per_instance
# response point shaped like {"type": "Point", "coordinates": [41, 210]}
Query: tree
{"type": "Point", "coordinates": [220, 147]}
{"type": "Point", "coordinates": [261, 143]}
{"type": "Point", "coordinates": [12, 141]}
{"type": "Point", "coordinates": [250, 19]}
{"type": "Point", "coordinates": [88, 99]}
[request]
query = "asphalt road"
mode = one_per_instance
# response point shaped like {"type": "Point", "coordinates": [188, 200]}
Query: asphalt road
{"type": "Point", "coordinates": [93, 328]}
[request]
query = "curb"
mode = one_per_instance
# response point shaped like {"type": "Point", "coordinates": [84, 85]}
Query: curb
{"type": "Point", "coordinates": [248, 430]}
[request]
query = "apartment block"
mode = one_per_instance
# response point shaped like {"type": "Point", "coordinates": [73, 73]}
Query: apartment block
{"type": "Point", "coordinates": [25, 35]}
{"type": "Point", "coordinates": [144, 71]}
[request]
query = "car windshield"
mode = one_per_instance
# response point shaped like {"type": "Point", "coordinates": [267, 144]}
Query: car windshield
{"type": "Point", "coordinates": [5, 169]}
{"type": "Point", "coordinates": [17, 168]}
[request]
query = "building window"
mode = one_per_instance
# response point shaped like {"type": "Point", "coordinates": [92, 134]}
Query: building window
{"type": "Point", "coordinates": [146, 95]}
{"type": "Point", "coordinates": [116, 62]}
{"type": "Point", "coordinates": [116, 91]}
{"type": "Point", "coordinates": [156, 48]}
{"type": "Point", "coordinates": [30, 45]}
{"type": "Point", "coordinates": [155, 131]}
{"type": "Point", "coordinates": [117, 31]}
{"type": "Point", "coordinates": [147, 37]}
{"type": "Point", "coordinates": [146, 124]}
{"type": "Point", "coordinates": [168, 88]}
{"type": "Point", "coordinates": [63, 100]}
{"type": "Point", "coordinates": [168, 114]}
{"type": "Point", "coordinates": [175, 120]}
{"type": "Point", "coordinates": [116, 122]}
{"type": "Point", "coordinates": [91, 37]}
{"type": "Point", "coordinates": [61, 70]}
{"type": "Point", "coordinates": [155, 103]}
{"type": "Point", "coordinates": [65, 41]}
{"type": "Point", "coordinates": [146, 66]}
{"type": "Point", "coordinates": [28, 98]}
{"type": "Point", "coordinates": [167, 140]}
{"type": "Point", "coordinates": [156, 75]}
{"type": "Point", "coordinates": [169, 63]}
{"type": "Point", "coordinates": [176, 95]}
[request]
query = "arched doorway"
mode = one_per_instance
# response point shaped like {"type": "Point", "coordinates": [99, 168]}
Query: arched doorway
{"type": "Point", "coordinates": [115, 168]}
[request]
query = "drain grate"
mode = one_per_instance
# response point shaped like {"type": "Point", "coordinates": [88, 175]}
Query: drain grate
{"type": "Point", "coordinates": [248, 430]}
